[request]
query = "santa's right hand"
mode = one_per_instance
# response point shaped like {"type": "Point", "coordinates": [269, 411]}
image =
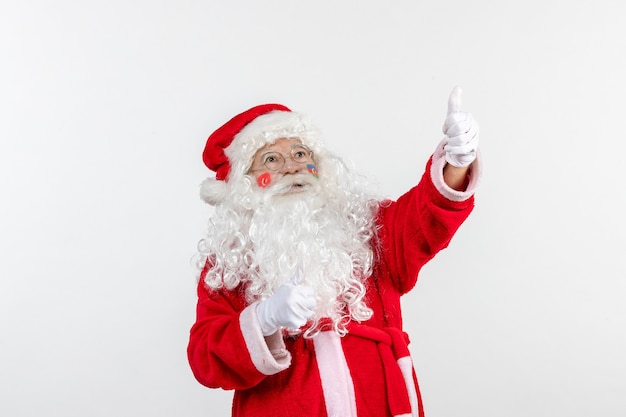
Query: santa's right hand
{"type": "Point", "coordinates": [290, 306]}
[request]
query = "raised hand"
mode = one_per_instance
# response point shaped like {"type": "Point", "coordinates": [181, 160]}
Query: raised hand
{"type": "Point", "coordinates": [461, 132]}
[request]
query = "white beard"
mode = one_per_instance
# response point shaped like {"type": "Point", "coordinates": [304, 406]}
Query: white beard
{"type": "Point", "coordinates": [305, 229]}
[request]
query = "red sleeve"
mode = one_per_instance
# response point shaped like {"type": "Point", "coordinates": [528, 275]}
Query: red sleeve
{"type": "Point", "coordinates": [226, 347]}
{"type": "Point", "coordinates": [416, 227]}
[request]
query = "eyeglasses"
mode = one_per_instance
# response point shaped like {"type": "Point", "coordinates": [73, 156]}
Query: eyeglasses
{"type": "Point", "coordinates": [275, 161]}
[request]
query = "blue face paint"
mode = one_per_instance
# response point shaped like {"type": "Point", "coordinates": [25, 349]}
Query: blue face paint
{"type": "Point", "coordinates": [312, 170]}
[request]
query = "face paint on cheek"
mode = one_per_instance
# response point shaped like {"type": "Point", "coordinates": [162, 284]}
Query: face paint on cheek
{"type": "Point", "coordinates": [264, 180]}
{"type": "Point", "coordinates": [312, 170]}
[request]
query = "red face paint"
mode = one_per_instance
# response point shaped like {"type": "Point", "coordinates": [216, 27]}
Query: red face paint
{"type": "Point", "coordinates": [264, 180]}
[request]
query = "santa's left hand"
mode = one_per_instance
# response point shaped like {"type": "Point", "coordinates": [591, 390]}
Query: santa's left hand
{"type": "Point", "coordinates": [461, 130]}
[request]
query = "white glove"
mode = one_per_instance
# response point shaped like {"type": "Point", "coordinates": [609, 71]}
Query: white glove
{"type": "Point", "coordinates": [290, 306]}
{"type": "Point", "coordinates": [461, 132]}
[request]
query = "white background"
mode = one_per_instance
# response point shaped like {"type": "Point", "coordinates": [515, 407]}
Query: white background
{"type": "Point", "coordinates": [105, 108]}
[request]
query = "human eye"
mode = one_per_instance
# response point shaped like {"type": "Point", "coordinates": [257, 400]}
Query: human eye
{"type": "Point", "coordinates": [272, 160]}
{"type": "Point", "coordinates": [301, 154]}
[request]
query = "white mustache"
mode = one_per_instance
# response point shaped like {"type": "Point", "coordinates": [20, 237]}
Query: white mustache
{"type": "Point", "coordinates": [287, 182]}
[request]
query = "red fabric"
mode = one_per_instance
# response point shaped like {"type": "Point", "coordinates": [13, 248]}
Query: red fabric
{"type": "Point", "coordinates": [392, 345]}
{"type": "Point", "coordinates": [412, 230]}
{"type": "Point", "coordinates": [213, 156]}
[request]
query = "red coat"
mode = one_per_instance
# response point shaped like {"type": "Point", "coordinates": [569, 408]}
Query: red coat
{"type": "Point", "coordinates": [368, 372]}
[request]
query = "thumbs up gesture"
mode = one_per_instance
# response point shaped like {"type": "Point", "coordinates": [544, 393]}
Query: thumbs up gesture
{"type": "Point", "coordinates": [461, 132]}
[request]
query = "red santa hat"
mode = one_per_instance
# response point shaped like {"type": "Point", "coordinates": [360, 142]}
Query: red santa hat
{"type": "Point", "coordinates": [229, 150]}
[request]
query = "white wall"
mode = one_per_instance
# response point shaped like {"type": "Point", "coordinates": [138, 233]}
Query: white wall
{"type": "Point", "coordinates": [105, 107]}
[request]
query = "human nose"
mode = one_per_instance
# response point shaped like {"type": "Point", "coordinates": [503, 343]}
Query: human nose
{"type": "Point", "coordinates": [291, 166]}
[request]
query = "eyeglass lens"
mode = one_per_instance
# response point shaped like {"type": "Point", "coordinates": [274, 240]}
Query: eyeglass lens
{"type": "Point", "coordinates": [274, 161]}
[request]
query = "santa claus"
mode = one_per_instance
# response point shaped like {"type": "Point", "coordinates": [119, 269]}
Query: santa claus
{"type": "Point", "coordinates": [302, 269]}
